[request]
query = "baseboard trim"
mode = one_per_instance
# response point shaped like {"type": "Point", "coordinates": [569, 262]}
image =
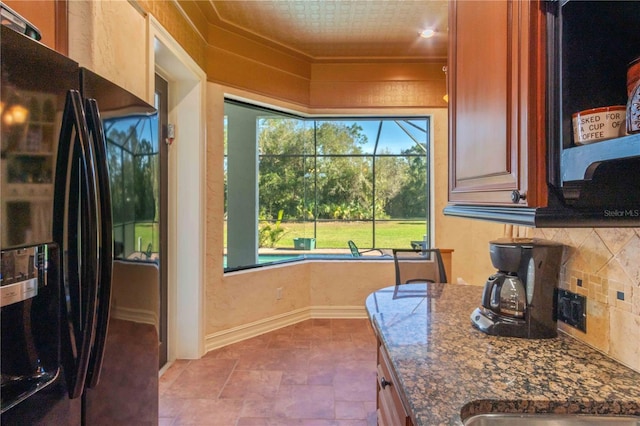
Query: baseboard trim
{"type": "Point", "coordinates": [338, 312]}
{"type": "Point", "coordinates": [246, 331]}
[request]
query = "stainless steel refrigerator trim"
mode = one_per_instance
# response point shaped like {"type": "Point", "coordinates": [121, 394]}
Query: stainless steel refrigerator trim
{"type": "Point", "coordinates": [28, 277]}
{"type": "Point", "coordinates": [26, 284]}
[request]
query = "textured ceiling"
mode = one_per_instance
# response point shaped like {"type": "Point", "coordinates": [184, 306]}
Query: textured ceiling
{"type": "Point", "coordinates": [341, 29]}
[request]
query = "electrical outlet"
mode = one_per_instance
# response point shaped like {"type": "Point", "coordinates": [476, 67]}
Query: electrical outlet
{"type": "Point", "coordinates": [572, 309]}
{"type": "Point", "coordinates": [279, 293]}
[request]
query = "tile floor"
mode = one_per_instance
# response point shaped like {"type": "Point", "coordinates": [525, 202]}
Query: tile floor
{"type": "Point", "coordinates": [318, 372]}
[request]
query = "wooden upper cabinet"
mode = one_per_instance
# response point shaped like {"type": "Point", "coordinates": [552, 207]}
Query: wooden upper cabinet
{"type": "Point", "coordinates": [50, 17]}
{"type": "Point", "coordinates": [497, 103]}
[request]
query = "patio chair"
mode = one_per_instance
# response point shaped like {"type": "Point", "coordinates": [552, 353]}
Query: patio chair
{"type": "Point", "coordinates": [357, 253]}
{"type": "Point", "coordinates": [419, 265]}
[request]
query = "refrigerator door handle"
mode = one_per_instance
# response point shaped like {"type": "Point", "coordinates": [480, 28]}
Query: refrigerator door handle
{"type": "Point", "coordinates": [74, 210]}
{"type": "Point", "coordinates": [105, 236]}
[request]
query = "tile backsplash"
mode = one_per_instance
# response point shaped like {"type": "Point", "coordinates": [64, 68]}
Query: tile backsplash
{"type": "Point", "coordinates": [603, 264]}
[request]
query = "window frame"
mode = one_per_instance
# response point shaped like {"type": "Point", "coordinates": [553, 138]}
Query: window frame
{"type": "Point", "coordinates": [373, 156]}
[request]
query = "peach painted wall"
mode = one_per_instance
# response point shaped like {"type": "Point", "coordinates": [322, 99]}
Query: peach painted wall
{"type": "Point", "coordinates": [469, 238]}
{"type": "Point", "coordinates": [249, 296]}
{"type": "Point", "coordinates": [97, 42]}
{"type": "Point", "coordinates": [245, 297]}
{"type": "Point", "coordinates": [344, 284]}
{"type": "Point", "coordinates": [377, 85]}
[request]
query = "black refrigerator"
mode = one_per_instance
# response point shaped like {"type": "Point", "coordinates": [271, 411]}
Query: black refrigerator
{"type": "Point", "coordinates": [71, 354]}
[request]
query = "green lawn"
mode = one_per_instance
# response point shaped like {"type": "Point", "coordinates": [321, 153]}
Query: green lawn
{"type": "Point", "coordinates": [389, 234]}
{"type": "Point", "coordinates": [149, 233]}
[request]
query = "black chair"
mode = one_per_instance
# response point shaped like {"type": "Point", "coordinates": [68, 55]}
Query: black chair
{"type": "Point", "coordinates": [418, 244]}
{"type": "Point", "coordinates": [357, 253]}
{"type": "Point", "coordinates": [419, 265]}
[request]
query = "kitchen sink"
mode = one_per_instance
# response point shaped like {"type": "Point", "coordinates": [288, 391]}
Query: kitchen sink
{"type": "Point", "coordinates": [542, 419]}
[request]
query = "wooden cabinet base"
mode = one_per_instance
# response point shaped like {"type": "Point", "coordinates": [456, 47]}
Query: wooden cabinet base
{"type": "Point", "coordinates": [391, 411]}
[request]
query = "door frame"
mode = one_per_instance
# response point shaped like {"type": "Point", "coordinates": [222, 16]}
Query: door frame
{"type": "Point", "coordinates": [161, 92]}
{"type": "Point", "coordinates": [187, 159]}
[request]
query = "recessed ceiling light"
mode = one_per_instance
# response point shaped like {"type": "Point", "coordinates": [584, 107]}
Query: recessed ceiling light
{"type": "Point", "coordinates": [427, 33]}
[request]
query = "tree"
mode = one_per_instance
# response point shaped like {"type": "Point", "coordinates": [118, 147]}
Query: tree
{"type": "Point", "coordinates": [411, 199]}
{"type": "Point", "coordinates": [284, 146]}
{"type": "Point", "coordinates": [390, 180]}
{"type": "Point", "coordinates": [339, 178]}
{"type": "Point", "coordinates": [344, 177]}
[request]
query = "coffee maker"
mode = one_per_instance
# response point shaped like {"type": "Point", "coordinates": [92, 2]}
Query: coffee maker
{"type": "Point", "coordinates": [519, 299]}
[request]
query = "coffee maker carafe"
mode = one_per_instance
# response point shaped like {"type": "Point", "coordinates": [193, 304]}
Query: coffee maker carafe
{"type": "Point", "coordinates": [519, 299]}
{"type": "Point", "coordinates": [504, 293]}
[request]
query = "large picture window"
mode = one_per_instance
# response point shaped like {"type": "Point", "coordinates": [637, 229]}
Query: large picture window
{"type": "Point", "coordinates": [300, 187]}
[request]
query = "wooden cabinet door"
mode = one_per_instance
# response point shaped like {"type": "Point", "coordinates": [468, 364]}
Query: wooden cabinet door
{"type": "Point", "coordinates": [496, 111]}
{"type": "Point", "coordinates": [50, 17]}
{"type": "Point", "coordinates": [391, 411]}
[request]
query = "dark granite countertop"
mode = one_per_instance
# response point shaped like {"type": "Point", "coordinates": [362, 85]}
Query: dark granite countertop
{"type": "Point", "coordinates": [449, 371]}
